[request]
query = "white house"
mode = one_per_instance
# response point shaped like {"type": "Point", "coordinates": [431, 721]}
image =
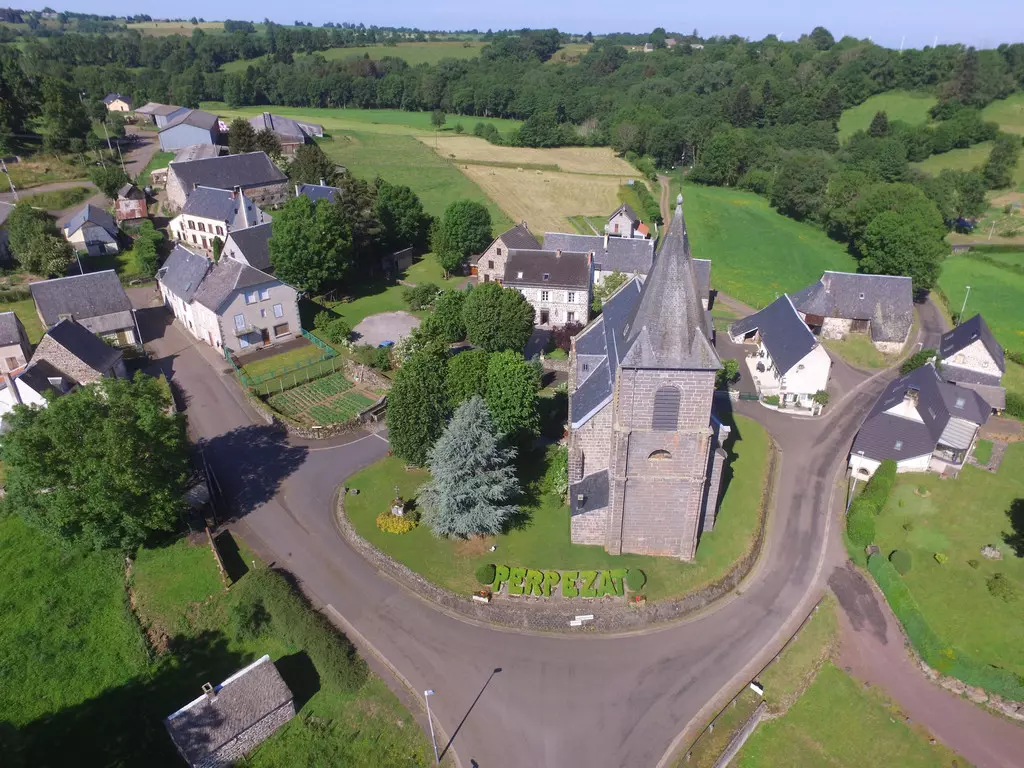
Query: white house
{"type": "Point", "coordinates": [789, 361]}
{"type": "Point", "coordinates": [624, 222]}
{"type": "Point", "coordinates": [556, 283]}
{"type": "Point", "coordinates": [209, 213]}
{"type": "Point", "coordinates": [971, 357]}
{"type": "Point", "coordinates": [115, 102]}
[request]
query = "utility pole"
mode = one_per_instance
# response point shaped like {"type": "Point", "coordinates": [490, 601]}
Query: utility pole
{"type": "Point", "coordinates": [960, 319]}
{"type": "Point", "coordinates": [3, 165]}
{"type": "Point", "coordinates": [426, 697]}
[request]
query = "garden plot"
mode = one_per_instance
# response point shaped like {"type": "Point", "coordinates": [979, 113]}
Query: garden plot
{"type": "Point", "coordinates": [329, 400]}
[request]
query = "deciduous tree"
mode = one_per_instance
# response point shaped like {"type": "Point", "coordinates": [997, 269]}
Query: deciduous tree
{"type": "Point", "coordinates": [467, 375]}
{"type": "Point", "coordinates": [447, 317]}
{"type": "Point", "coordinates": [497, 318]}
{"type": "Point", "coordinates": [512, 385]}
{"type": "Point", "coordinates": [465, 228]}
{"type": "Point", "coordinates": [403, 221]}
{"type": "Point", "coordinates": [417, 404]}
{"type": "Point", "coordinates": [897, 243]}
{"type": "Point", "coordinates": [241, 136]}
{"type": "Point", "coordinates": [64, 116]}
{"type": "Point", "coordinates": [310, 244]}
{"type": "Point", "coordinates": [999, 167]}
{"type": "Point", "coordinates": [109, 178]}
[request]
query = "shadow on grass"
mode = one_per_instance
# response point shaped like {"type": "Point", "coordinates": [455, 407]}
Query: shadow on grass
{"type": "Point", "coordinates": [231, 556]}
{"type": "Point", "coordinates": [1016, 516]}
{"type": "Point", "coordinates": [300, 676]}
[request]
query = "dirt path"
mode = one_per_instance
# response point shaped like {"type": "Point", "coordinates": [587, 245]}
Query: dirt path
{"type": "Point", "coordinates": [873, 651]}
{"type": "Point", "coordinates": [663, 201]}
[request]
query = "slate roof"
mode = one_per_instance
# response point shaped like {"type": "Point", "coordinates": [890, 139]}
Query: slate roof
{"type": "Point", "coordinates": [222, 205]}
{"type": "Point", "coordinates": [197, 118]}
{"type": "Point", "coordinates": [966, 334]}
{"type": "Point", "coordinates": [520, 237]}
{"type": "Point", "coordinates": [254, 243]}
{"type": "Point", "coordinates": [669, 328]}
{"type": "Point", "coordinates": [317, 192]}
{"type": "Point", "coordinates": [204, 725]}
{"type": "Point", "coordinates": [96, 299]}
{"type": "Point", "coordinates": [91, 214]}
{"type": "Point", "coordinates": [594, 489]}
{"type": "Point", "coordinates": [10, 329]}
{"type": "Point", "coordinates": [182, 273]}
{"type": "Point", "coordinates": [110, 98]}
{"type": "Point", "coordinates": [993, 394]}
{"type": "Point", "coordinates": [629, 255]}
{"type": "Point", "coordinates": [251, 169]}
{"type": "Point", "coordinates": [87, 347]}
{"type": "Point", "coordinates": [886, 300]}
{"type": "Point", "coordinates": [555, 269]}
{"type": "Point", "coordinates": [38, 374]}
{"type": "Point", "coordinates": [196, 152]}
{"type": "Point", "coordinates": [224, 278]}
{"type": "Point", "coordinates": [786, 337]}
{"type": "Point", "coordinates": [702, 272]}
{"type": "Point", "coordinates": [155, 108]}
{"type": "Point", "coordinates": [936, 404]}
{"type": "Point", "coordinates": [626, 209]}
{"type": "Point", "coordinates": [284, 127]}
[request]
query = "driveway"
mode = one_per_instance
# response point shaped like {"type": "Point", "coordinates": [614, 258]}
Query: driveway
{"type": "Point", "coordinates": [385, 326]}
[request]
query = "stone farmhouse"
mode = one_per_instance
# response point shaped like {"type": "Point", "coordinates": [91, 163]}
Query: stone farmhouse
{"type": "Point", "coordinates": [228, 304]}
{"type": "Point", "coordinates": [250, 246]}
{"type": "Point", "coordinates": [841, 303]}
{"type": "Point", "coordinates": [971, 357]}
{"type": "Point", "coordinates": [115, 102]}
{"type": "Point", "coordinates": [96, 300]}
{"type": "Point", "coordinates": [788, 361]}
{"type": "Point", "coordinates": [629, 256]}
{"type": "Point", "coordinates": [922, 423]}
{"type": "Point", "coordinates": [624, 222]}
{"type": "Point", "coordinates": [556, 283]}
{"type": "Point", "coordinates": [93, 231]}
{"type": "Point", "coordinates": [230, 720]}
{"type": "Point", "coordinates": [211, 213]}
{"type": "Point", "coordinates": [187, 129]}
{"type": "Point", "coordinates": [161, 114]}
{"type": "Point", "coordinates": [645, 450]}
{"type": "Point", "coordinates": [15, 349]}
{"type": "Point", "coordinates": [490, 265]}
{"type": "Point", "coordinates": [291, 133]}
{"type": "Point", "coordinates": [252, 172]}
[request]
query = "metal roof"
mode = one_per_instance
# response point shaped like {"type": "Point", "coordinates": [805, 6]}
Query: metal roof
{"type": "Point", "coordinates": [194, 117]}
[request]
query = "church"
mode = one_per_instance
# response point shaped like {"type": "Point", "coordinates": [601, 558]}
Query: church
{"type": "Point", "coordinates": [645, 450]}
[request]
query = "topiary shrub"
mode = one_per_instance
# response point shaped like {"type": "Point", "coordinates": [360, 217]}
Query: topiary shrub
{"type": "Point", "coordinates": [336, 331]}
{"type": "Point", "coordinates": [1001, 587]}
{"type": "Point", "coordinates": [485, 573]}
{"type": "Point", "coordinates": [390, 523]}
{"type": "Point", "coordinates": [908, 526]}
{"type": "Point", "coordinates": [860, 524]}
{"type": "Point", "coordinates": [249, 618]}
{"type": "Point", "coordinates": [635, 579]}
{"type": "Point", "coordinates": [901, 561]}
{"type": "Point", "coordinates": [940, 558]}
{"type": "Point", "coordinates": [974, 564]}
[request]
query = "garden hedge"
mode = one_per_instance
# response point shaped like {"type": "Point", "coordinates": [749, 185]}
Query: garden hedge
{"type": "Point", "coordinates": [876, 492]}
{"type": "Point", "coordinates": [485, 573]}
{"type": "Point", "coordinates": [860, 523]}
{"type": "Point", "coordinates": [932, 649]}
{"type": "Point", "coordinates": [530, 581]}
{"type": "Point", "coordinates": [635, 579]}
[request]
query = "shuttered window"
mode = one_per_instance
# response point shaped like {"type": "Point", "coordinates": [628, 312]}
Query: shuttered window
{"type": "Point", "coordinates": [666, 409]}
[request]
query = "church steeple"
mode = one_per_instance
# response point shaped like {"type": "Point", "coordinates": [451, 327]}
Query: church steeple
{"type": "Point", "coordinates": [669, 328]}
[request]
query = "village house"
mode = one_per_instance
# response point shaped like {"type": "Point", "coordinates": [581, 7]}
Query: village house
{"type": "Point", "coordinates": [250, 246]}
{"type": "Point", "coordinates": [556, 283]}
{"type": "Point", "coordinates": [228, 304]}
{"type": "Point", "coordinates": [96, 300]}
{"type": "Point", "coordinates": [115, 102]}
{"type": "Point", "coordinates": [211, 213]}
{"type": "Point", "coordinates": [645, 450]}
{"type": "Point", "coordinates": [788, 361]}
{"type": "Point", "coordinates": [252, 172]}
{"type": "Point", "coordinates": [490, 265]}
{"type": "Point", "coordinates": [130, 204]}
{"type": "Point", "coordinates": [187, 129]}
{"type": "Point", "coordinates": [922, 423]}
{"type": "Point", "coordinates": [161, 114]}
{"type": "Point", "coordinates": [198, 152]}
{"type": "Point", "coordinates": [291, 133]}
{"type": "Point", "coordinates": [317, 192]}
{"type": "Point", "coordinates": [970, 357]}
{"type": "Point", "coordinates": [624, 222]}
{"type": "Point", "coordinates": [841, 303]}
{"type": "Point", "coordinates": [15, 348]}
{"type": "Point", "coordinates": [228, 721]}
{"type": "Point", "coordinates": [93, 231]}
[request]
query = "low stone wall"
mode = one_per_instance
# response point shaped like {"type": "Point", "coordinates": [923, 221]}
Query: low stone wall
{"type": "Point", "coordinates": [551, 614]}
{"type": "Point", "coordinates": [555, 365]}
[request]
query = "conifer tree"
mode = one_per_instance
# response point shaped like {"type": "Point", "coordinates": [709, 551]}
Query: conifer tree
{"type": "Point", "coordinates": [473, 480]}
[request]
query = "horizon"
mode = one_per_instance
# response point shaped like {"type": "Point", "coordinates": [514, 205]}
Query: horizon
{"type": "Point", "coordinates": [877, 20]}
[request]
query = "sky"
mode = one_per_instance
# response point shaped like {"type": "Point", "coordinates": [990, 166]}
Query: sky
{"type": "Point", "coordinates": [913, 23]}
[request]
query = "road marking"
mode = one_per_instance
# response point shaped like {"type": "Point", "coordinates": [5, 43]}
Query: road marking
{"type": "Point", "coordinates": [343, 445]}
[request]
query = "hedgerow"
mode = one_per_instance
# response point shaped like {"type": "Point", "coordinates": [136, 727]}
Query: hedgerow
{"type": "Point", "coordinates": [860, 523]}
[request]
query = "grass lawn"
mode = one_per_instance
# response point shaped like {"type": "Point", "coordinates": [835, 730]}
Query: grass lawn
{"type": "Point", "coordinates": [59, 199]}
{"type": "Point", "coordinates": [158, 161]}
{"type": "Point", "coordinates": [958, 518]}
{"type": "Point", "coordinates": [1008, 112]}
{"type": "Point", "coordinates": [412, 53]}
{"type": "Point", "coordinates": [858, 351]}
{"type": "Point", "coordinates": [26, 312]}
{"type": "Point", "coordinates": [298, 356]}
{"type": "Point", "coordinates": [907, 106]}
{"type": "Point", "coordinates": [543, 541]}
{"type": "Point", "coordinates": [983, 451]}
{"type": "Point", "coordinates": [965, 159]}
{"type": "Point", "coordinates": [1013, 379]}
{"type": "Point", "coordinates": [43, 170]}
{"type": "Point", "coordinates": [995, 293]}
{"type": "Point", "coordinates": [756, 253]}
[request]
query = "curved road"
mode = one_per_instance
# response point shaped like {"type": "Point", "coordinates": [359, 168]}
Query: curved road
{"type": "Point", "coordinates": [557, 700]}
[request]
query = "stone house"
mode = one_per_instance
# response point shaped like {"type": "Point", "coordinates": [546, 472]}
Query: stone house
{"type": "Point", "coordinates": [556, 283]}
{"type": "Point", "coordinates": [788, 361]}
{"type": "Point", "coordinates": [922, 423]}
{"type": "Point", "coordinates": [93, 231]}
{"type": "Point", "coordinates": [250, 246]}
{"type": "Point", "coordinates": [115, 102]}
{"type": "Point", "coordinates": [291, 133]}
{"type": "Point", "coordinates": [15, 349]}
{"type": "Point", "coordinates": [210, 213]}
{"type": "Point", "coordinates": [230, 720]}
{"type": "Point", "coordinates": [252, 172]}
{"type": "Point", "coordinates": [490, 265]}
{"type": "Point", "coordinates": [161, 114]}
{"type": "Point", "coordinates": [624, 222]}
{"type": "Point", "coordinates": [645, 455]}
{"type": "Point", "coordinates": [187, 129]}
{"type": "Point", "coordinates": [841, 303]}
{"type": "Point", "coordinates": [971, 357]}
{"type": "Point", "coordinates": [96, 300]}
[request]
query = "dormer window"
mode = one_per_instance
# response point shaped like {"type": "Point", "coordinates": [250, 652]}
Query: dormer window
{"type": "Point", "coordinates": [862, 296]}
{"type": "Point", "coordinates": [519, 275]}
{"type": "Point", "coordinates": [547, 276]}
{"type": "Point", "coordinates": [960, 402]}
{"type": "Point", "coordinates": [899, 445]}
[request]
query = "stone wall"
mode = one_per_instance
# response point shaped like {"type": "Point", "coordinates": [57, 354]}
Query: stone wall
{"type": "Point", "coordinates": [590, 527]}
{"type": "Point", "coordinates": [65, 362]}
{"type": "Point", "coordinates": [974, 357]}
{"type": "Point", "coordinates": [557, 305]}
{"type": "Point", "coordinates": [835, 327]}
{"type": "Point", "coordinates": [233, 751]}
{"type": "Point", "coordinates": [495, 274]}
{"type": "Point", "coordinates": [889, 347]}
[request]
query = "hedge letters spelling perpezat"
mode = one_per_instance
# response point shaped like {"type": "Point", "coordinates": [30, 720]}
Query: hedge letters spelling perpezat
{"type": "Point", "coordinates": [523, 581]}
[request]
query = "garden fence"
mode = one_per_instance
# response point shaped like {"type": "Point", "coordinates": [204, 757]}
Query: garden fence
{"type": "Point", "coordinates": [288, 376]}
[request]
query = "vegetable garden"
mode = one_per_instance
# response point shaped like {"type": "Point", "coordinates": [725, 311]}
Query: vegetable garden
{"type": "Point", "coordinates": [323, 401]}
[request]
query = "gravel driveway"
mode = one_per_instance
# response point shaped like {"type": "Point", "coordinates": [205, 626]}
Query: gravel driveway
{"type": "Point", "coordinates": [386, 326]}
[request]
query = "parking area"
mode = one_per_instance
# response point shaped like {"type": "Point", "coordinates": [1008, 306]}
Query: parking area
{"type": "Point", "coordinates": [386, 326]}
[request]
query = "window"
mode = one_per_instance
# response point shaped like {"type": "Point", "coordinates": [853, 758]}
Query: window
{"type": "Point", "coordinates": [490, 263]}
{"type": "Point", "coordinates": [220, 230]}
{"type": "Point", "coordinates": [194, 240]}
{"type": "Point", "coordinates": [243, 341]}
{"type": "Point", "coordinates": [487, 278]}
{"type": "Point", "coordinates": [239, 322]}
{"type": "Point", "coordinates": [862, 295]}
{"type": "Point", "coordinates": [547, 276]}
{"type": "Point", "coordinates": [960, 402]}
{"type": "Point", "coordinates": [252, 297]}
{"type": "Point", "coordinates": [191, 224]}
{"type": "Point", "coordinates": [202, 227]}
{"type": "Point", "coordinates": [570, 317]}
{"type": "Point", "coordinates": [12, 363]}
{"type": "Point", "coordinates": [571, 297]}
{"type": "Point", "coordinates": [519, 275]}
{"type": "Point", "coordinates": [898, 446]}
{"type": "Point", "coordinates": [204, 241]}
{"type": "Point", "coordinates": [279, 310]}
{"type": "Point", "coordinates": [264, 294]}
{"type": "Point", "coordinates": [659, 455]}
{"type": "Point", "coordinates": [281, 330]}
{"type": "Point", "coordinates": [586, 367]}
{"type": "Point", "coordinates": [545, 318]}
{"type": "Point", "coordinates": [666, 409]}
{"type": "Point", "coordinates": [263, 313]}
{"type": "Point", "coordinates": [544, 295]}
{"type": "Point", "coordinates": [498, 251]}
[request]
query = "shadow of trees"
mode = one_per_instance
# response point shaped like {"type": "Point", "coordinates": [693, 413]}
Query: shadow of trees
{"type": "Point", "coordinates": [1015, 539]}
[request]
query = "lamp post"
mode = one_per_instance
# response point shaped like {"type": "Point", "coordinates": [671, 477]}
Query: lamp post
{"type": "Point", "coordinates": [426, 697]}
{"type": "Point", "coordinates": [960, 319]}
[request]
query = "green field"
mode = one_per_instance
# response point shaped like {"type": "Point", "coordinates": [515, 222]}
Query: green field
{"type": "Point", "coordinates": [544, 543]}
{"type": "Point", "coordinates": [1008, 112]}
{"type": "Point", "coordinates": [26, 312]}
{"type": "Point", "coordinates": [966, 159]}
{"type": "Point", "coordinates": [756, 253]}
{"type": "Point", "coordinates": [411, 53]}
{"type": "Point", "coordinates": [858, 351]}
{"type": "Point", "coordinates": [995, 293]}
{"type": "Point", "coordinates": [59, 199]}
{"type": "Point", "coordinates": [907, 106]}
{"type": "Point", "coordinates": [158, 161]}
{"type": "Point", "coordinates": [295, 357]}
{"type": "Point", "coordinates": [957, 518]}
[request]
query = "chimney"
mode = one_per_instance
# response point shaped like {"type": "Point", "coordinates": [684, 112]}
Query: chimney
{"type": "Point", "coordinates": [235, 192]}
{"type": "Point", "coordinates": [208, 690]}
{"type": "Point", "coordinates": [195, 185]}
{"type": "Point", "coordinates": [911, 396]}
{"type": "Point", "coordinates": [606, 239]}
{"type": "Point", "coordinates": [323, 182]}
{"type": "Point", "coordinates": [523, 222]}
{"type": "Point", "coordinates": [12, 385]}
{"type": "Point", "coordinates": [558, 253]}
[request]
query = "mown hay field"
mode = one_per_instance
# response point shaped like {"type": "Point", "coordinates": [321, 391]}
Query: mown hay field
{"type": "Point", "coordinates": [593, 160]}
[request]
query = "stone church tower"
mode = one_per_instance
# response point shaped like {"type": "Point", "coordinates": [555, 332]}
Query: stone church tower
{"type": "Point", "coordinates": [645, 461]}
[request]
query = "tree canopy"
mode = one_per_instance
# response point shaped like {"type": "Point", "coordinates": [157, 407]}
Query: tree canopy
{"type": "Point", "coordinates": [464, 229]}
{"type": "Point", "coordinates": [497, 318]}
{"type": "Point", "coordinates": [310, 244]}
{"type": "Point", "coordinates": [511, 395]}
{"type": "Point", "coordinates": [417, 404]}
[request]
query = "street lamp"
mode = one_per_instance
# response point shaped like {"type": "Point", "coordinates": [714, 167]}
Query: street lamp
{"type": "Point", "coordinates": [426, 697]}
{"type": "Point", "coordinates": [960, 319]}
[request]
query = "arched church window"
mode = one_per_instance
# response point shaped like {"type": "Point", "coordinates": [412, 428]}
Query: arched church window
{"type": "Point", "coordinates": [659, 455]}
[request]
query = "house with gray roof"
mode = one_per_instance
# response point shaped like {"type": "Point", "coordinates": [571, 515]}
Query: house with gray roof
{"type": "Point", "coordinates": [786, 360]}
{"type": "Point", "coordinates": [645, 450]}
{"type": "Point", "coordinates": [96, 300]}
{"type": "Point", "coordinates": [194, 126]}
{"type": "Point", "coordinates": [250, 246]}
{"type": "Point", "coordinates": [489, 266]}
{"type": "Point", "coordinates": [841, 303]}
{"type": "Point", "coordinates": [15, 349]}
{"type": "Point", "coordinates": [252, 172]}
{"type": "Point", "coordinates": [228, 721]}
{"type": "Point", "coordinates": [556, 283]}
{"type": "Point", "coordinates": [317, 192]}
{"type": "Point", "coordinates": [922, 423]}
{"type": "Point", "coordinates": [92, 230]}
{"type": "Point", "coordinates": [210, 213]}
{"type": "Point", "coordinates": [970, 357]}
{"type": "Point", "coordinates": [625, 222]}
{"type": "Point", "coordinates": [291, 133]}
{"type": "Point", "coordinates": [115, 102]}
{"type": "Point", "coordinates": [161, 114]}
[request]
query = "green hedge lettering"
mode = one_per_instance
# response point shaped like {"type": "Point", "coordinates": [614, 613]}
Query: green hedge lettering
{"type": "Point", "coordinates": [533, 581]}
{"type": "Point", "coordinates": [515, 581]}
{"type": "Point", "coordinates": [551, 579]}
{"type": "Point", "coordinates": [569, 579]}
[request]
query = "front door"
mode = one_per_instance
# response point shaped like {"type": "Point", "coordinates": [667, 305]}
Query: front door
{"type": "Point", "coordinates": [544, 317]}
{"type": "Point", "coordinates": [266, 335]}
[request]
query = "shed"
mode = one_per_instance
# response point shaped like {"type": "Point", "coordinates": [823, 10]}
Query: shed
{"type": "Point", "coordinates": [188, 128]}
